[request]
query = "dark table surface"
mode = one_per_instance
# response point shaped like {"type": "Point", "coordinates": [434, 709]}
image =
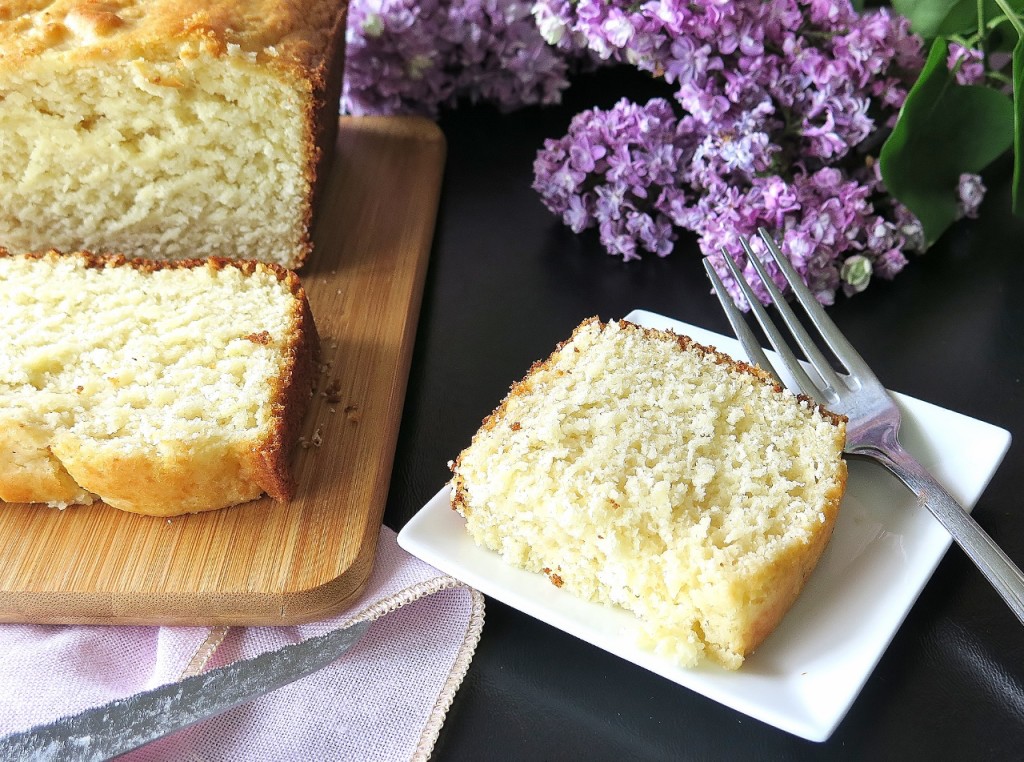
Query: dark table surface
{"type": "Point", "coordinates": [507, 281]}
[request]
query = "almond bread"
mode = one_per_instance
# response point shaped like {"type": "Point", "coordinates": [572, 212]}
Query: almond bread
{"type": "Point", "coordinates": [159, 388]}
{"type": "Point", "coordinates": [166, 129]}
{"type": "Point", "coordinates": [639, 469]}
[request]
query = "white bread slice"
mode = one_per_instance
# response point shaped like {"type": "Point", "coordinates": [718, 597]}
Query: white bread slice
{"type": "Point", "coordinates": [638, 468]}
{"type": "Point", "coordinates": [159, 388]}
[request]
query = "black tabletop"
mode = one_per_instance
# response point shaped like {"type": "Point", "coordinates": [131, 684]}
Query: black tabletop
{"type": "Point", "coordinates": [507, 281]}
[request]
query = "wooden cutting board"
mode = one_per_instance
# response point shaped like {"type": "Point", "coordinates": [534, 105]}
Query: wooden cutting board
{"type": "Point", "coordinates": [266, 562]}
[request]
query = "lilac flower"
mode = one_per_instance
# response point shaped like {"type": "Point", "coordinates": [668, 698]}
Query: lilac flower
{"type": "Point", "coordinates": [620, 171]}
{"type": "Point", "coordinates": [394, 58]}
{"type": "Point", "coordinates": [972, 192]}
{"type": "Point", "coordinates": [416, 57]}
{"type": "Point", "coordinates": [775, 104]}
{"type": "Point", "coordinates": [910, 229]}
{"type": "Point", "coordinates": [551, 19]}
{"type": "Point", "coordinates": [775, 107]}
{"type": "Point", "coordinates": [967, 64]}
{"type": "Point", "coordinates": [889, 263]}
{"type": "Point", "coordinates": [819, 75]}
{"type": "Point", "coordinates": [824, 219]}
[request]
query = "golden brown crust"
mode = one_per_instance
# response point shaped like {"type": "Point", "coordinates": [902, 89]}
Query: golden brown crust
{"type": "Point", "coordinates": [523, 386]}
{"type": "Point", "coordinates": [322, 119]}
{"type": "Point", "coordinates": [173, 486]}
{"type": "Point", "coordinates": [101, 261]}
{"type": "Point", "coordinates": [286, 35]}
{"type": "Point", "coordinates": [290, 398]}
{"type": "Point", "coordinates": [460, 497]}
{"type": "Point", "coordinates": [723, 359]}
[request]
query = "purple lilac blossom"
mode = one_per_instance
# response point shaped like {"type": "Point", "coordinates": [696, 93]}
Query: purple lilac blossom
{"type": "Point", "coordinates": [776, 103]}
{"type": "Point", "coordinates": [619, 171]}
{"type": "Point", "coordinates": [406, 57]}
{"type": "Point", "coordinates": [816, 75]}
{"type": "Point", "coordinates": [967, 64]}
{"type": "Point", "coordinates": [394, 58]}
{"type": "Point", "coordinates": [775, 106]}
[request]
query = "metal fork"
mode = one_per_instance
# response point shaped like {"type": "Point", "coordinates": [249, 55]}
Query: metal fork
{"type": "Point", "coordinates": [873, 418]}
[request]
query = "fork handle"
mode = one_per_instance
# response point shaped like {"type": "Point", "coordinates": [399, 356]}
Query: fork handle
{"type": "Point", "coordinates": [997, 567]}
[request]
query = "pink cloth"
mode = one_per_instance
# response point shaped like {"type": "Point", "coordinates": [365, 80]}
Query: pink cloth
{"type": "Point", "coordinates": [385, 698]}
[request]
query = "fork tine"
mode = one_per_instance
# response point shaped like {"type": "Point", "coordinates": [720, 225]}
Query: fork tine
{"type": "Point", "coordinates": [803, 381]}
{"type": "Point", "coordinates": [860, 372]}
{"type": "Point", "coordinates": [739, 326]}
{"type": "Point", "coordinates": [821, 365]}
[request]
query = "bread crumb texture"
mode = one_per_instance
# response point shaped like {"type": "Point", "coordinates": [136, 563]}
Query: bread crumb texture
{"type": "Point", "coordinates": [640, 469]}
{"type": "Point", "coordinates": [156, 128]}
{"type": "Point", "coordinates": [143, 385]}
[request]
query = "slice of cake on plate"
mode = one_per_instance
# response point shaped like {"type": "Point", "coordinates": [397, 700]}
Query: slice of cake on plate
{"type": "Point", "coordinates": [638, 468]}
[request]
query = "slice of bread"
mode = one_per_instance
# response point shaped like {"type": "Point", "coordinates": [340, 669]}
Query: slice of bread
{"type": "Point", "coordinates": [167, 129]}
{"type": "Point", "coordinates": [157, 388]}
{"type": "Point", "coordinates": [638, 468]}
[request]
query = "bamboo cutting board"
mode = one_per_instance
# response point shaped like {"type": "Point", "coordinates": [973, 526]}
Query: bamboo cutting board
{"type": "Point", "coordinates": [265, 562]}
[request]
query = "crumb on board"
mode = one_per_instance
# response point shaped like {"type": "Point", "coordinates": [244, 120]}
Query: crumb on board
{"type": "Point", "coordinates": [333, 391]}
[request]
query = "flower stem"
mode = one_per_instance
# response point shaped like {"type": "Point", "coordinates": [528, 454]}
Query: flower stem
{"type": "Point", "coordinates": [1010, 14]}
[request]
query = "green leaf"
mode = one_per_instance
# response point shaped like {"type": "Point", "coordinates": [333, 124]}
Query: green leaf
{"type": "Point", "coordinates": [931, 18]}
{"type": "Point", "coordinates": [944, 18]}
{"type": "Point", "coordinates": [944, 129]}
{"type": "Point", "coordinates": [1017, 202]}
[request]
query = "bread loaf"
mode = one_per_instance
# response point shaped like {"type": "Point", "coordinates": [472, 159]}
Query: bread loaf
{"type": "Point", "coordinates": [158, 388]}
{"type": "Point", "coordinates": [638, 468]}
{"type": "Point", "coordinates": [166, 129]}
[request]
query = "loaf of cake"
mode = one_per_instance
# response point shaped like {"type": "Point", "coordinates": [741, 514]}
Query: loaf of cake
{"type": "Point", "coordinates": [167, 129]}
{"type": "Point", "coordinates": [640, 469]}
{"type": "Point", "coordinates": [159, 388]}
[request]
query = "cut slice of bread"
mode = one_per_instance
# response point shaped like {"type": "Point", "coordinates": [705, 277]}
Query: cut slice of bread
{"type": "Point", "coordinates": [638, 468]}
{"type": "Point", "coordinates": [158, 388]}
{"type": "Point", "coordinates": [166, 129]}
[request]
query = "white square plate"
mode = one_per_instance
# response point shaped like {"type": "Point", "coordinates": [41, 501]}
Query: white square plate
{"type": "Point", "coordinates": [806, 675]}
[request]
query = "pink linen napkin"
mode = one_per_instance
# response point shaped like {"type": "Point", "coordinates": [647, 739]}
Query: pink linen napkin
{"type": "Point", "coordinates": [385, 698]}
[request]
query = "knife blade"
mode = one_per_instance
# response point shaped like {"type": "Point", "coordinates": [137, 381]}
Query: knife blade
{"type": "Point", "coordinates": [125, 724]}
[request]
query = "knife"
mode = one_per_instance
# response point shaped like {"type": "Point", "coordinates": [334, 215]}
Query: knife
{"type": "Point", "coordinates": [125, 724]}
